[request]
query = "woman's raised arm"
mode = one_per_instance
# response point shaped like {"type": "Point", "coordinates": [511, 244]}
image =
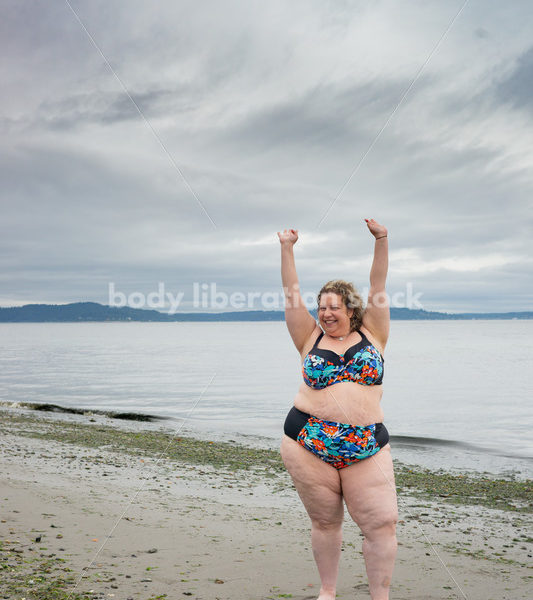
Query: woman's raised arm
{"type": "Point", "coordinates": [300, 322]}
{"type": "Point", "coordinates": [376, 317]}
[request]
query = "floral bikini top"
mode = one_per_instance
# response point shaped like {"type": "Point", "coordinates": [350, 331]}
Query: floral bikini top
{"type": "Point", "coordinates": [361, 363]}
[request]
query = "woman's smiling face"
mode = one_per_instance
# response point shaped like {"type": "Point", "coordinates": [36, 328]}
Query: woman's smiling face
{"type": "Point", "coordinates": [333, 315]}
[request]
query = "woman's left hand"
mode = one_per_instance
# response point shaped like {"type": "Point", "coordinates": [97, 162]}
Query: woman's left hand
{"type": "Point", "coordinates": [375, 228]}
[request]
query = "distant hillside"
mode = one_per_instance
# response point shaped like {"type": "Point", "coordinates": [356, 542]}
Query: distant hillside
{"type": "Point", "coordinates": [92, 311]}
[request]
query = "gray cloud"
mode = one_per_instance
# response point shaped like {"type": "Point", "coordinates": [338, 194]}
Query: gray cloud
{"type": "Point", "coordinates": [323, 118]}
{"type": "Point", "coordinates": [517, 88]}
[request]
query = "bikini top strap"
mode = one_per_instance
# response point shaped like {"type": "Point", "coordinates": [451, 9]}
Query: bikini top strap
{"type": "Point", "coordinates": [369, 342]}
{"type": "Point", "coordinates": [318, 340]}
{"type": "Point", "coordinates": [363, 336]}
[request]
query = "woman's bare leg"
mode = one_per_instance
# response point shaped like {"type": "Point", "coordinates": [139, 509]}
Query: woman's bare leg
{"type": "Point", "coordinates": [318, 485]}
{"type": "Point", "coordinates": [370, 495]}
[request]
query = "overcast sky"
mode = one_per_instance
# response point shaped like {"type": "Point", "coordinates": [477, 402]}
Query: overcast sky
{"type": "Point", "coordinates": [266, 108]}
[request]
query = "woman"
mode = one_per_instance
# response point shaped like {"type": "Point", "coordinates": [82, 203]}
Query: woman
{"type": "Point", "coordinates": [335, 445]}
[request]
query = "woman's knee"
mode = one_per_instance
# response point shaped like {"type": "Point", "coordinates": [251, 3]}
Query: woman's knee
{"type": "Point", "coordinates": [323, 523]}
{"type": "Point", "coordinates": [380, 525]}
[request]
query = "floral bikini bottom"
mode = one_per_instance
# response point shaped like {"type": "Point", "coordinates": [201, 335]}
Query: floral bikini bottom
{"type": "Point", "coordinates": [338, 444]}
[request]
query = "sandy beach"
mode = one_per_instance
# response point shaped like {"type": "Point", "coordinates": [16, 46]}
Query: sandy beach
{"type": "Point", "coordinates": [93, 509]}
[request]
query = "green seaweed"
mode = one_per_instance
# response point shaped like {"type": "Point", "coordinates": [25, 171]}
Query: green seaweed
{"type": "Point", "coordinates": [35, 577]}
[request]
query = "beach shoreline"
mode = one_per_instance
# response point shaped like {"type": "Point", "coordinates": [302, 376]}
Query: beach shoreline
{"type": "Point", "coordinates": [188, 518]}
{"type": "Point", "coordinates": [432, 454]}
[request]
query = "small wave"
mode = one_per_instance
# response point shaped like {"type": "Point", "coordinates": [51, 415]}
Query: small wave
{"type": "Point", "coordinates": [430, 442]}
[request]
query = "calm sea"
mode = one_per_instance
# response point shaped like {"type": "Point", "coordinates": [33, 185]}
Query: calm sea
{"type": "Point", "coordinates": [456, 394]}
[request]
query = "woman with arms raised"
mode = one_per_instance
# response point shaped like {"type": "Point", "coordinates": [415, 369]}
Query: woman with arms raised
{"type": "Point", "coordinates": [335, 445]}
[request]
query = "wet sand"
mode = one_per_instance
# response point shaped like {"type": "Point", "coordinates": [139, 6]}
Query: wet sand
{"type": "Point", "coordinates": [84, 517]}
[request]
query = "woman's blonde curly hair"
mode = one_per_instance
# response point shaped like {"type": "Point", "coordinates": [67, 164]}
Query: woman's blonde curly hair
{"type": "Point", "coordinates": [350, 297]}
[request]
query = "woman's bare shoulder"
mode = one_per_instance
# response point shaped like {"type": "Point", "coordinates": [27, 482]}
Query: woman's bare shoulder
{"type": "Point", "coordinates": [372, 338]}
{"type": "Point", "coordinates": [310, 341]}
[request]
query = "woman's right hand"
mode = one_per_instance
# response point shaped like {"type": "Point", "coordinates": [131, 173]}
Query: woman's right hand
{"type": "Point", "coordinates": [288, 236]}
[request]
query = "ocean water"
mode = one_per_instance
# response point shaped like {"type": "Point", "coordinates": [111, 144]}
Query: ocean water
{"type": "Point", "coordinates": [456, 394]}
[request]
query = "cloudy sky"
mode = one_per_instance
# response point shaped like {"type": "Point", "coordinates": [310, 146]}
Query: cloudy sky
{"type": "Point", "coordinates": [173, 145]}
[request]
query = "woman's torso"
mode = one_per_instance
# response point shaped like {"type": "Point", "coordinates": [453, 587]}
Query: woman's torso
{"type": "Point", "coordinates": [345, 401]}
